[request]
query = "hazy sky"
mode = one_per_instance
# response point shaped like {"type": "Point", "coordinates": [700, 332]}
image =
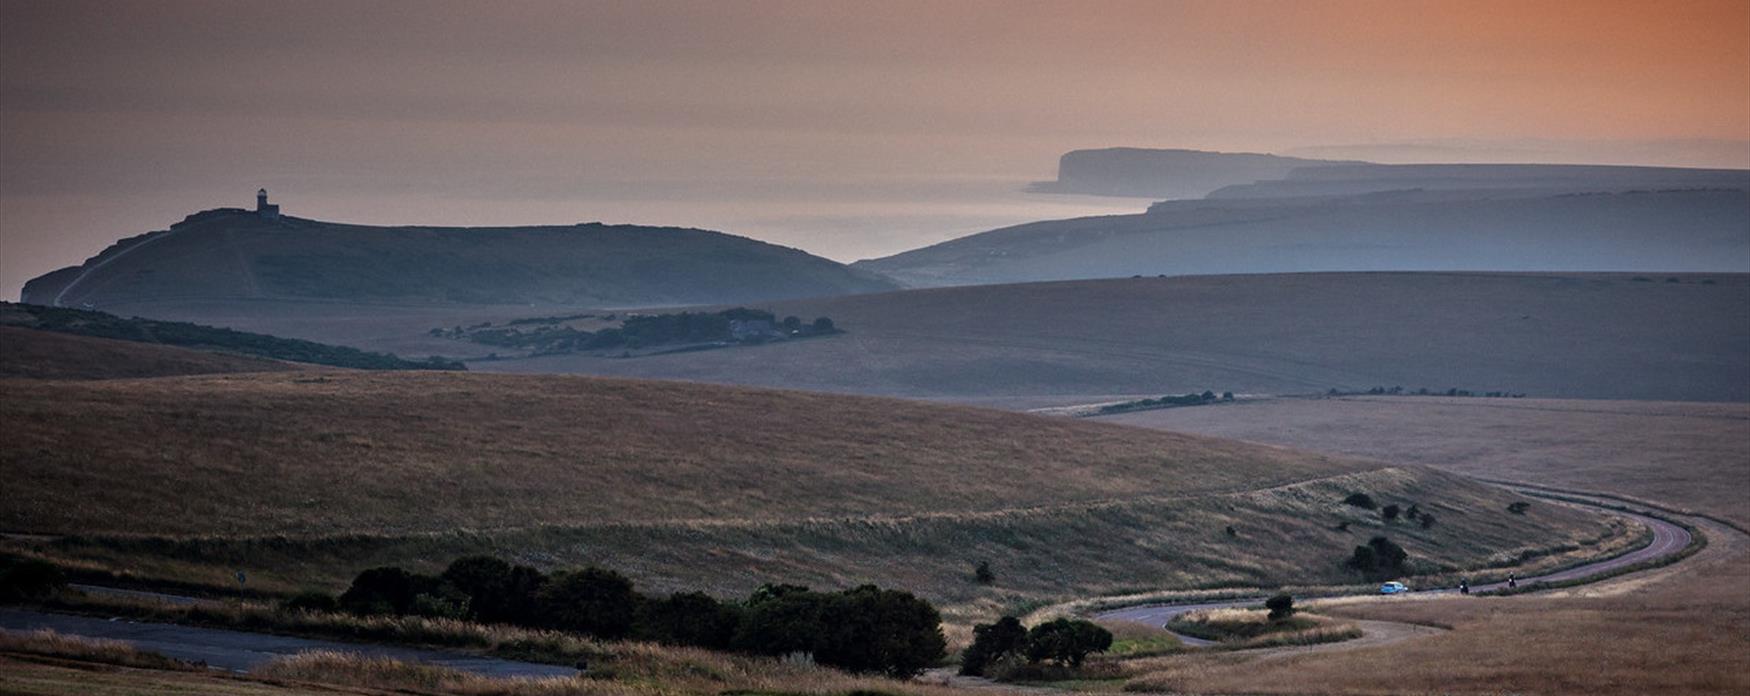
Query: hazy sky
{"type": "Point", "coordinates": [850, 130]}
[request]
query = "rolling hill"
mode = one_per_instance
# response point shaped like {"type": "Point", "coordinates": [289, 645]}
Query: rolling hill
{"type": "Point", "coordinates": [236, 256]}
{"type": "Point", "coordinates": [38, 354]}
{"type": "Point", "coordinates": [1436, 229]}
{"type": "Point", "coordinates": [1659, 336]}
{"type": "Point", "coordinates": [695, 486]}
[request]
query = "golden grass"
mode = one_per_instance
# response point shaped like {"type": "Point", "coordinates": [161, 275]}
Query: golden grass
{"type": "Point", "coordinates": [1687, 455]}
{"type": "Point", "coordinates": [35, 676]}
{"type": "Point", "coordinates": [686, 486]}
{"type": "Point", "coordinates": [48, 643]}
{"type": "Point", "coordinates": [1676, 630]}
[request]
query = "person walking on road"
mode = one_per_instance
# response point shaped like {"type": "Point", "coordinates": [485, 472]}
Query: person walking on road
{"type": "Point", "coordinates": [1511, 581]}
{"type": "Point", "coordinates": [1463, 587]}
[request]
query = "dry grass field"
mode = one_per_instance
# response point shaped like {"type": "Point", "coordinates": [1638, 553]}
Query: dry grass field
{"type": "Point", "coordinates": [305, 478]}
{"type": "Point", "coordinates": [1679, 630]}
{"type": "Point", "coordinates": [1546, 335]}
{"type": "Point", "coordinates": [1684, 455]}
{"type": "Point", "coordinates": [45, 355]}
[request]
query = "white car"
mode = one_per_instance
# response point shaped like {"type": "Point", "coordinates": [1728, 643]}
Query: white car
{"type": "Point", "coordinates": [1393, 587]}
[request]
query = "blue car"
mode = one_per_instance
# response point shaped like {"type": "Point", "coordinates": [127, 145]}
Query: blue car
{"type": "Point", "coordinates": [1393, 587]}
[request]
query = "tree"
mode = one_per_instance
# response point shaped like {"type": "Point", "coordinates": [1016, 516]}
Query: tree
{"type": "Point", "coordinates": [29, 578]}
{"type": "Point", "coordinates": [486, 582]}
{"type": "Point", "coordinates": [992, 643]}
{"type": "Point", "coordinates": [892, 632]}
{"type": "Point", "coordinates": [593, 601]}
{"type": "Point", "coordinates": [1427, 520]}
{"type": "Point", "coordinates": [1388, 513]}
{"type": "Point", "coordinates": [1518, 508]}
{"type": "Point", "coordinates": [1413, 513]}
{"type": "Point", "coordinates": [1281, 606]}
{"type": "Point", "coordinates": [1066, 641]}
{"type": "Point", "coordinates": [384, 590]}
{"type": "Point", "coordinates": [983, 573]}
{"type": "Point", "coordinates": [823, 325]}
{"type": "Point", "coordinates": [1360, 500]}
{"type": "Point", "coordinates": [1379, 559]}
{"type": "Point", "coordinates": [780, 620]}
{"type": "Point", "coordinates": [687, 618]}
{"type": "Point", "coordinates": [791, 324]}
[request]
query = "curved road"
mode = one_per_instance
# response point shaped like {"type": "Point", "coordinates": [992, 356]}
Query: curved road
{"type": "Point", "coordinates": [1668, 539]}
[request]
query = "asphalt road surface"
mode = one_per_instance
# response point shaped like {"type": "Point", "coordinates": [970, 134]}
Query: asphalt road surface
{"type": "Point", "coordinates": [238, 651]}
{"type": "Point", "coordinates": [1668, 539]}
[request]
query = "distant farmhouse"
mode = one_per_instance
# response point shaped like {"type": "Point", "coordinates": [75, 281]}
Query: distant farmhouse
{"type": "Point", "coordinates": [267, 211]}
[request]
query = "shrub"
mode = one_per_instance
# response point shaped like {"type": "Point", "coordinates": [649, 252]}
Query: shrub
{"type": "Point", "coordinates": [1066, 641]}
{"type": "Point", "coordinates": [823, 325]}
{"type": "Point", "coordinates": [993, 643]}
{"type": "Point", "coordinates": [1518, 508]}
{"type": "Point", "coordinates": [1360, 500]}
{"type": "Point", "coordinates": [866, 629]}
{"type": "Point", "coordinates": [891, 632]}
{"type": "Point", "coordinates": [687, 618]}
{"type": "Point", "coordinates": [1380, 559]}
{"type": "Point", "coordinates": [592, 601]}
{"type": "Point", "coordinates": [1231, 532]}
{"type": "Point", "coordinates": [485, 581]}
{"type": "Point", "coordinates": [983, 574]}
{"type": "Point", "coordinates": [1281, 606]}
{"type": "Point", "coordinates": [1413, 512]}
{"type": "Point", "coordinates": [780, 620]}
{"type": "Point", "coordinates": [28, 578]}
{"type": "Point", "coordinates": [1388, 513]}
{"type": "Point", "coordinates": [385, 590]}
{"type": "Point", "coordinates": [1427, 520]}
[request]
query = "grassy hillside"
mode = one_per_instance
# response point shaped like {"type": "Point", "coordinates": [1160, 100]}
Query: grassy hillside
{"type": "Point", "coordinates": [47, 355]}
{"type": "Point", "coordinates": [1406, 230]}
{"type": "Point", "coordinates": [235, 255]}
{"type": "Point", "coordinates": [182, 334]}
{"type": "Point", "coordinates": [1685, 455]}
{"type": "Point", "coordinates": [1591, 640]}
{"type": "Point", "coordinates": [691, 486]}
{"type": "Point", "coordinates": [1627, 336]}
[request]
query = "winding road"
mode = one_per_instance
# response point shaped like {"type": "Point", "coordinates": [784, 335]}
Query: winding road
{"type": "Point", "coordinates": [1668, 539]}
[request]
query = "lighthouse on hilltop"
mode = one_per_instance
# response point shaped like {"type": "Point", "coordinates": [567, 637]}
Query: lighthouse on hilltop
{"type": "Point", "coordinates": [267, 211]}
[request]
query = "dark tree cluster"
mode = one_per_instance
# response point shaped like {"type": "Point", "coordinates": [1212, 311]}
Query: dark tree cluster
{"type": "Point", "coordinates": [26, 579]}
{"type": "Point", "coordinates": [175, 333]}
{"type": "Point", "coordinates": [1380, 559]}
{"type": "Point", "coordinates": [1067, 642]}
{"type": "Point", "coordinates": [865, 629]}
{"type": "Point", "coordinates": [550, 335]}
{"type": "Point", "coordinates": [1360, 500]}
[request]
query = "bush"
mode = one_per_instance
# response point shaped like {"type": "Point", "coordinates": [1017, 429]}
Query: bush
{"type": "Point", "coordinates": [385, 590]}
{"type": "Point", "coordinates": [1281, 606]}
{"type": "Point", "coordinates": [891, 632]}
{"type": "Point", "coordinates": [1388, 513]}
{"type": "Point", "coordinates": [689, 618]}
{"type": "Point", "coordinates": [23, 579]}
{"type": "Point", "coordinates": [485, 581]}
{"type": "Point", "coordinates": [1427, 520]}
{"type": "Point", "coordinates": [1518, 508]}
{"type": "Point", "coordinates": [1413, 513]}
{"type": "Point", "coordinates": [593, 601]}
{"type": "Point", "coordinates": [983, 574]}
{"type": "Point", "coordinates": [993, 643]}
{"type": "Point", "coordinates": [866, 629]}
{"type": "Point", "coordinates": [1380, 559]}
{"type": "Point", "coordinates": [1360, 500]}
{"type": "Point", "coordinates": [1066, 641]}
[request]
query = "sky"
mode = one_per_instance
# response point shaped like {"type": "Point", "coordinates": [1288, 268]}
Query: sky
{"type": "Point", "coordinates": [851, 130]}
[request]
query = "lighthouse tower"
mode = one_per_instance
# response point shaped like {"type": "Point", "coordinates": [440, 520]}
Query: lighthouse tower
{"type": "Point", "coordinates": [267, 211]}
